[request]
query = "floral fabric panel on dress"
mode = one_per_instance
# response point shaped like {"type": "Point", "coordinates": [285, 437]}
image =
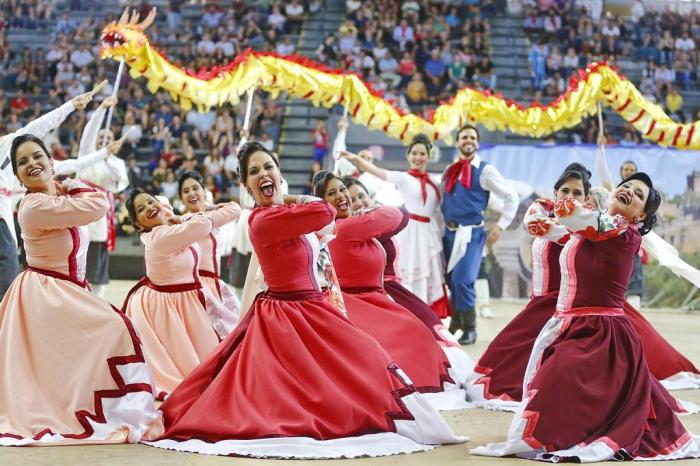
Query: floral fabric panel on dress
{"type": "Point", "coordinates": [570, 216]}
{"type": "Point", "coordinates": [588, 222]}
{"type": "Point", "coordinates": [325, 271]}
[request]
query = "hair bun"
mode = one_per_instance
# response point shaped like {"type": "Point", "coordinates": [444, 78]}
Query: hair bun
{"type": "Point", "coordinates": [577, 167]}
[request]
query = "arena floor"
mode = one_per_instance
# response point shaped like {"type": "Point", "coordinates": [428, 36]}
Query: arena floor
{"type": "Point", "coordinates": [480, 425]}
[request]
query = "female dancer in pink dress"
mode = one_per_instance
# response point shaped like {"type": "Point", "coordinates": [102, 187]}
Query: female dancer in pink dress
{"type": "Point", "coordinates": [589, 393]}
{"type": "Point", "coordinates": [168, 305]}
{"type": "Point", "coordinates": [359, 263]}
{"type": "Point", "coordinates": [296, 379]}
{"type": "Point", "coordinates": [223, 307]}
{"type": "Point", "coordinates": [459, 360]}
{"type": "Point", "coordinates": [421, 260]}
{"type": "Point", "coordinates": [72, 369]}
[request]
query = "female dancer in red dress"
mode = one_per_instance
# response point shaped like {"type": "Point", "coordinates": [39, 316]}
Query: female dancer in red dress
{"type": "Point", "coordinates": [223, 307]}
{"type": "Point", "coordinates": [589, 393]}
{"type": "Point", "coordinates": [296, 379]}
{"type": "Point", "coordinates": [72, 369]}
{"type": "Point", "coordinates": [497, 380]}
{"type": "Point", "coordinates": [168, 306]}
{"type": "Point", "coordinates": [359, 262]}
{"type": "Point", "coordinates": [459, 360]}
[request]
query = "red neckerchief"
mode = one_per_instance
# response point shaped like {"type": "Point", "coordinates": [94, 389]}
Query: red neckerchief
{"type": "Point", "coordinates": [111, 229]}
{"type": "Point", "coordinates": [425, 180]}
{"type": "Point", "coordinates": [460, 170]}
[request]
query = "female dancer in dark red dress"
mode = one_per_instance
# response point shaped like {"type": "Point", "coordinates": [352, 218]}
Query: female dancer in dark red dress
{"type": "Point", "coordinates": [459, 360]}
{"type": "Point", "coordinates": [359, 262]}
{"type": "Point", "coordinates": [497, 380]}
{"type": "Point", "coordinates": [296, 379]}
{"type": "Point", "coordinates": [589, 395]}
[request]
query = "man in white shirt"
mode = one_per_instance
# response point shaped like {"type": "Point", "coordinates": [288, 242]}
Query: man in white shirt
{"type": "Point", "coordinates": [403, 33]}
{"type": "Point", "coordinates": [685, 43]}
{"type": "Point", "coordinates": [9, 264]}
{"type": "Point", "coordinates": [81, 57]}
{"type": "Point", "coordinates": [110, 177]}
{"type": "Point", "coordinates": [285, 47]}
{"type": "Point", "coordinates": [468, 184]}
{"type": "Point", "coordinates": [295, 16]}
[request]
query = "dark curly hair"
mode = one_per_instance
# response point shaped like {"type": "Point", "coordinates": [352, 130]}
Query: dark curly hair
{"type": "Point", "coordinates": [652, 204]}
{"type": "Point", "coordinates": [577, 171]}
{"type": "Point", "coordinates": [320, 181]}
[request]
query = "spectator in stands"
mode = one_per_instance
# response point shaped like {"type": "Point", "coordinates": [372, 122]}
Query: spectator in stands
{"type": "Point", "coordinates": [175, 14]}
{"type": "Point", "coordinates": [64, 72]}
{"type": "Point", "coordinates": [82, 57]}
{"type": "Point", "coordinates": [295, 16]}
{"type": "Point", "coordinates": [416, 90]}
{"type": "Point", "coordinates": [685, 44]}
{"type": "Point", "coordinates": [327, 52]}
{"type": "Point", "coordinates": [403, 34]}
{"type": "Point", "coordinates": [276, 19]}
{"type": "Point", "coordinates": [65, 25]}
{"type": "Point", "coordinates": [485, 73]}
{"type": "Point", "coordinates": [214, 166]}
{"type": "Point", "coordinates": [684, 73]}
{"type": "Point", "coordinates": [212, 17]}
{"type": "Point", "coordinates": [666, 47]}
{"type": "Point", "coordinates": [285, 47]}
{"type": "Point", "coordinates": [435, 71]}
{"type": "Point", "coordinates": [348, 36]}
{"type": "Point", "coordinates": [533, 24]}
{"type": "Point", "coordinates": [674, 105]}
{"type": "Point", "coordinates": [20, 103]}
{"type": "Point", "coordinates": [664, 77]}
{"type": "Point", "coordinates": [536, 62]}
{"type": "Point", "coordinates": [570, 62]}
{"type": "Point", "coordinates": [319, 136]}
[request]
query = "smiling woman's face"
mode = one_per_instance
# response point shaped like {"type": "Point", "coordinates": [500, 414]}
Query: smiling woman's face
{"type": "Point", "coordinates": [149, 212]}
{"type": "Point", "coordinates": [34, 167]}
{"type": "Point", "coordinates": [193, 195]}
{"type": "Point", "coordinates": [629, 200]}
{"type": "Point", "coordinates": [338, 196]}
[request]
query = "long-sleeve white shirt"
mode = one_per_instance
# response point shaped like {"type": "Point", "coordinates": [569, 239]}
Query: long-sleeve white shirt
{"type": "Point", "coordinates": [492, 180]}
{"type": "Point", "coordinates": [109, 173]}
{"type": "Point", "coordinates": [39, 128]}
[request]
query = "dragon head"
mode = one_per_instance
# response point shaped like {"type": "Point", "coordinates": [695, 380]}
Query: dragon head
{"type": "Point", "coordinates": [125, 37]}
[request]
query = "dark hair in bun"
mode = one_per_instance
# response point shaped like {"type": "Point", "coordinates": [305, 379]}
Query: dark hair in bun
{"type": "Point", "coordinates": [652, 204]}
{"type": "Point", "coordinates": [320, 181]}
{"type": "Point", "coordinates": [578, 172]}
{"type": "Point", "coordinates": [420, 139]}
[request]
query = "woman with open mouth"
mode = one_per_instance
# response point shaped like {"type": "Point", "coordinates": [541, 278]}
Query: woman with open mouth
{"type": "Point", "coordinates": [296, 379]}
{"type": "Point", "coordinates": [359, 261]}
{"type": "Point", "coordinates": [421, 260]}
{"type": "Point", "coordinates": [497, 380]}
{"type": "Point", "coordinates": [459, 360]}
{"type": "Point", "coordinates": [223, 307]}
{"type": "Point", "coordinates": [168, 305]}
{"type": "Point", "coordinates": [588, 393]}
{"type": "Point", "coordinates": [72, 370]}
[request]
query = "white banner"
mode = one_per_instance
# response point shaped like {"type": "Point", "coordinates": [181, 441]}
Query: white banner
{"type": "Point", "coordinates": [540, 166]}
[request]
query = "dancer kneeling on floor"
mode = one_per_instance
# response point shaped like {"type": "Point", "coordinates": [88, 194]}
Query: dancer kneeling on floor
{"type": "Point", "coordinates": [296, 379]}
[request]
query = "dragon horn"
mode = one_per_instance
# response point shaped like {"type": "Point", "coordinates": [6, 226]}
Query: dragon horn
{"type": "Point", "coordinates": [124, 19]}
{"type": "Point", "coordinates": [133, 21]}
{"type": "Point", "coordinates": [149, 19]}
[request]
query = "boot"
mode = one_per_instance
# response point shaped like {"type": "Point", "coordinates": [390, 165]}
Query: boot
{"type": "Point", "coordinates": [455, 323]}
{"type": "Point", "coordinates": [468, 321]}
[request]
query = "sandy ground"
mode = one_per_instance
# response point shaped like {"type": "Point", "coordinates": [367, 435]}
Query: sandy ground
{"type": "Point", "coordinates": [481, 426]}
